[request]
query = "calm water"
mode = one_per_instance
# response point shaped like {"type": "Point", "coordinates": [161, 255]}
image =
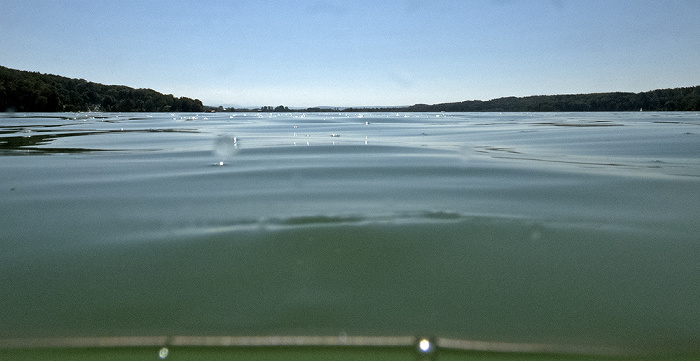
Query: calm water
{"type": "Point", "coordinates": [568, 228]}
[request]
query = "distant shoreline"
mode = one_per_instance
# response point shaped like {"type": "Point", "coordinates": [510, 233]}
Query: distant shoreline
{"type": "Point", "coordinates": [25, 91]}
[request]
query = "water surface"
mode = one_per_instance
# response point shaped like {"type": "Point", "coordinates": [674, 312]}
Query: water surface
{"type": "Point", "coordinates": [565, 228]}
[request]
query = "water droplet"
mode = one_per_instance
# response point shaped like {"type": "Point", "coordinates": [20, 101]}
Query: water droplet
{"type": "Point", "coordinates": [263, 224]}
{"type": "Point", "coordinates": [425, 346]}
{"type": "Point", "coordinates": [225, 147]}
{"type": "Point", "coordinates": [465, 152]}
{"type": "Point", "coordinates": [163, 353]}
{"type": "Point", "coordinates": [426, 349]}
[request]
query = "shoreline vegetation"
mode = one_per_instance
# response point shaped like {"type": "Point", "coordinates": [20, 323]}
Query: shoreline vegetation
{"type": "Point", "coordinates": [25, 91]}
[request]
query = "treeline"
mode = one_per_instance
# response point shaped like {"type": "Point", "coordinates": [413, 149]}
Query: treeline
{"type": "Point", "coordinates": [678, 99]}
{"type": "Point", "coordinates": [25, 91]}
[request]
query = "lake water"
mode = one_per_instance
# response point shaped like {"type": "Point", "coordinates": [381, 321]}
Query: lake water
{"type": "Point", "coordinates": [574, 229]}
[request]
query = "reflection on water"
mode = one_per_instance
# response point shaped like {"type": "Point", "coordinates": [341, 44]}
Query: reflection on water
{"type": "Point", "coordinates": [575, 231]}
{"type": "Point", "coordinates": [32, 141]}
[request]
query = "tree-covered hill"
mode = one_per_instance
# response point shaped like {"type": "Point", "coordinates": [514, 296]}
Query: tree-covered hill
{"type": "Point", "coordinates": [679, 99]}
{"type": "Point", "coordinates": [26, 91]}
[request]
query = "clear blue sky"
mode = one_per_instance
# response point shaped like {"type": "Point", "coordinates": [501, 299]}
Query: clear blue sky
{"type": "Point", "coordinates": [343, 53]}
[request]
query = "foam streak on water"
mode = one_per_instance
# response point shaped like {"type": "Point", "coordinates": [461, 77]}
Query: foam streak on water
{"type": "Point", "coordinates": [569, 228]}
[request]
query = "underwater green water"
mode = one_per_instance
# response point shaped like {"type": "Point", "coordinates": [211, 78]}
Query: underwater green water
{"type": "Point", "coordinates": [576, 229]}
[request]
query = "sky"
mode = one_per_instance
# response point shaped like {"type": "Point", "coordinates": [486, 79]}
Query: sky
{"type": "Point", "coordinates": [306, 53]}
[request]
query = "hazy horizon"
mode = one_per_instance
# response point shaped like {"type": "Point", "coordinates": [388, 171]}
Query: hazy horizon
{"type": "Point", "coordinates": [362, 53]}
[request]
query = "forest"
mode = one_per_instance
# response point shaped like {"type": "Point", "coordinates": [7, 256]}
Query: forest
{"type": "Point", "coordinates": [25, 91]}
{"type": "Point", "coordinates": [678, 99]}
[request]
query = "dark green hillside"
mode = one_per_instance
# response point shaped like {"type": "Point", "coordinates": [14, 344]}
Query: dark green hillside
{"type": "Point", "coordinates": [656, 100]}
{"type": "Point", "coordinates": [678, 99]}
{"type": "Point", "coordinates": [26, 91]}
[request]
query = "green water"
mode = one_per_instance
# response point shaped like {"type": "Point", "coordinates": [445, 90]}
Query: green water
{"type": "Point", "coordinates": [578, 230]}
